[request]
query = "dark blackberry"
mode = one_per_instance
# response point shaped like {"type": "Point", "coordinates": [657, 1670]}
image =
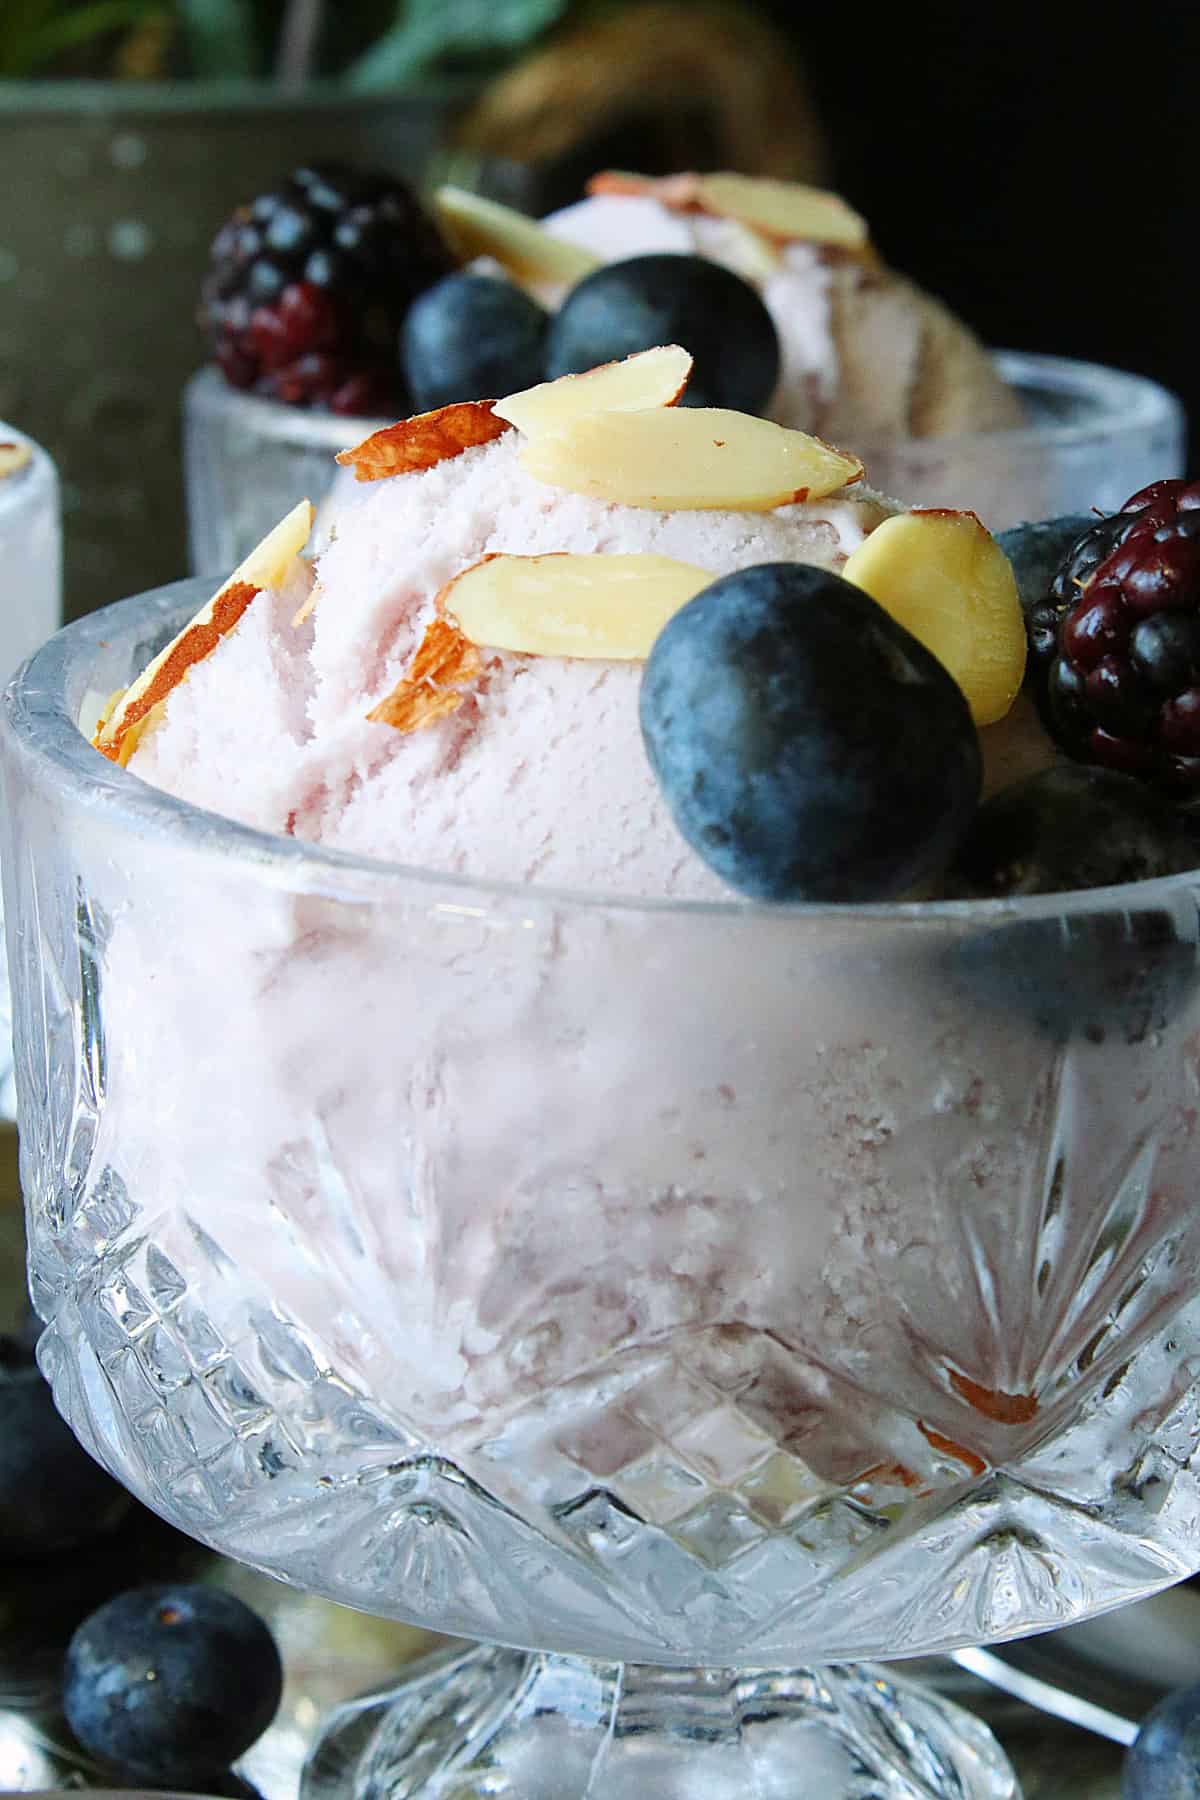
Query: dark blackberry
{"type": "Point", "coordinates": [309, 285]}
{"type": "Point", "coordinates": [1115, 645]}
{"type": "Point", "coordinates": [1072, 574]}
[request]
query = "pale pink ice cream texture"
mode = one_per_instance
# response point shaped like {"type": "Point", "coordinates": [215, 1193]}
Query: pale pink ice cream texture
{"type": "Point", "coordinates": [541, 776]}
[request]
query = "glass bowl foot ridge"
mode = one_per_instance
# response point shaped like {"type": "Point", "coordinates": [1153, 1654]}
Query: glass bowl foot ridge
{"type": "Point", "coordinates": [489, 1723]}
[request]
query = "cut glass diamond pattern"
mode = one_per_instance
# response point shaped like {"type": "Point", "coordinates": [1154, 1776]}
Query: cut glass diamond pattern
{"type": "Point", "coordinates": [723, 1446]}
{"type": "Point", "coordinates": [658, 1488]}
{"type": "Point", "coordinates": [1011, 1441]}
{"type": "Point", "coordinates": [718, 1531]}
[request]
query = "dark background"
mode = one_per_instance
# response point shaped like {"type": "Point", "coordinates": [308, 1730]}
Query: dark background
{"type": "Point", "coordinates": [1036, 166]}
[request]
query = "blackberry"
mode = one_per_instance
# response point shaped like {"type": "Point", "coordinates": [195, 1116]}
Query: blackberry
{"type": "Point", "coordinates": [308, 287]}
{"type": "Point", "coordinates": [1115, 645]}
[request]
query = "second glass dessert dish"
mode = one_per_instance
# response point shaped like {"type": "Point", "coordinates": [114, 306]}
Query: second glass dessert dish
{"type": "Point", "coordinates": [30, 609]}
{"type": "Point", "coordinates": [686, 1299]}
{"type": "Point", "coordinates": [341, 295]}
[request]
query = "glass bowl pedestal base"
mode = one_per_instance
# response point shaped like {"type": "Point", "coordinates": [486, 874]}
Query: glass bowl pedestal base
{"type": "Point", "coordinates": [485, 1723]}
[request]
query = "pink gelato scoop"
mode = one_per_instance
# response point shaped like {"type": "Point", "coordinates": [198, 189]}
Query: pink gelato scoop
{"type": "Point", "coordinates": [540, 775]}
{"type": "Point", "coordinates": [867, 357]}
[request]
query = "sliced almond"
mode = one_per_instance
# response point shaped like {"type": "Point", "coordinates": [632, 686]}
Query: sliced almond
{"type": "Point", "coordinates": [424, 440]}
{"type": "Point", "coordinates": [478, 227]}
{"type": "Point", "coordinates": [686, 458]}
{"type": "Point", "coordinates": [782, 210]}
{"type": "Point", "coordinates": [436, 682]}
{"type": "Point", "coordinates": [598, 607]}
{"type": "Point", "coordinates": [679, 193]}
{"type": "Point", "coordinates": [267, 566]}
{"type": "Point", "coordinates": [942, 575]}
{"type": "Point", "coordinates": [307, 606]}
{"type": "Point", "coordinates": [13, 456]}
{"type": "Point", "coordinates": [646, 379]}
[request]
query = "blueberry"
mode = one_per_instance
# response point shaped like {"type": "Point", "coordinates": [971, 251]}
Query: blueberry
{"type": "Point", "coordinates": [1164, 1761]}
{"type": "Point", "coordinates": [52, 1494]}
{"type": "Point", "coordinates": [1036, 548]}
{"type": "Point", "coordinates": [1069, 827]}
{"type": "Point", "coordinates": [471, 337]}
{"type": "Point", "coordinates": [807, 746]}
{"type": "Point", "coordinates": [1125, 973]}
{"type": "Point", "coordinates": [648, 300]}
{"type": "Point", "coordinates": [171, 1683]}
{"type": "Point", "coordinates": [1126, 970]}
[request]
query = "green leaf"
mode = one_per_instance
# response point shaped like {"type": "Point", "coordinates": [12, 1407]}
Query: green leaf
{"type": "Point", "coordinates": [38, 36]}
{"type": "Point", "coordinates": [220, 37]}
{"type": "Point", "coordinates": [429, 32]}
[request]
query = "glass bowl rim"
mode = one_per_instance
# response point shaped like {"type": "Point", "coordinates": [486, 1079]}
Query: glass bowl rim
{"type": "Point", "coordinates": [206, 391]}
{"type": "Point", "coordinates": [1137, 402]}
{"type": "Point", "coordinates": [36, 716]}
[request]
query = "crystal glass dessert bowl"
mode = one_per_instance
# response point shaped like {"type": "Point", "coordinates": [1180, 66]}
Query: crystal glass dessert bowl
{"type": "Point", "coordinates": [1092, 435]}
{"type": "Point", "coordinates": [30, 609]}
{"type": "Point", "coordinates": [687, 1299]}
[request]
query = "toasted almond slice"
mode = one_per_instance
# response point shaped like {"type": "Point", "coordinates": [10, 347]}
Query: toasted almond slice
{"type": "Point", "coordinates": [479, 227]}
{"type": "Point", "coordinates": [784, 209]}
{"type": "Point", "coordinates": [424, 440]}
{"type": "Point", "coordinates": [681, 193]}
{"type": "Point", "coordinates": [598, 607]}
{"type": "Point", "coordinates": [648, 378]}
{"type": "Point", "coordinates": [436, 682]}
{"type": "Point", "coordinates": [307, 606]}
{"type": "Point", "coordinates": [13, 456]}
{"type": "Point", "coordinates": [780, 210]}
{"type": "Point", "coordinates": [267, 566]}
{"type": "Point", "coordinates": [942, 575]}
{"type": "Point", "coordinates": [686, 458]}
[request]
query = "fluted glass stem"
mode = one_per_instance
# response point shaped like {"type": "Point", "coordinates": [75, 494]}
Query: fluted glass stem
{"type": "Point", "coordinates": [485, 1723]}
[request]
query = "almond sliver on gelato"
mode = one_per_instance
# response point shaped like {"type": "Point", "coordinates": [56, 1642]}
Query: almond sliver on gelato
{"type": "Point", "coordinates": [601, 608]}
{"type": "Point", "coordinates": [14, 455]}
{"type": "Point", "coordinates": [424, 440]}
{"type": "Point", "coordinates": [787, 211]}
{"type": "Point", "coordinates": [688, 458]}
{"type": "Point", "coordinates": [267, 566]}
{"type": "Point", "coordinates": [648, 378]}
{"type": "Point", "coordinates": [436, 683]}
